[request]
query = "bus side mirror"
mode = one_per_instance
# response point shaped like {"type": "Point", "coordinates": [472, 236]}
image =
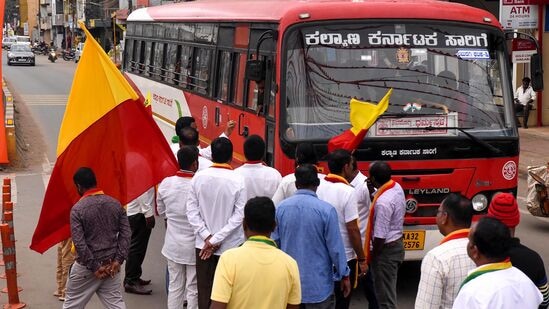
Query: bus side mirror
{"type": "Point", "coordinates": [536, 70]}
{"type": "Point", "coordinates": [255, 70]}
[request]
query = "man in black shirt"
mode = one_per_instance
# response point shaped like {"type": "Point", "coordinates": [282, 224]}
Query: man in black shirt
{"type": "Point", "coordinates": [505, 208]}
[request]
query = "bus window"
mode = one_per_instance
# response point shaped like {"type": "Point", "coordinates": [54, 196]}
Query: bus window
{"type": "Point", "coordinates": [223, 76]}
{"type": "Point", "coordinates": [141, 50]}
{"type": "Point", "coordinates": [185, 65]}
{"type": "Point", "coordinates": [240, 65]}
{"type": "Point", "coordinates": [201, 69]}
{"type": "Point", "coordinates": [170, 63]}
{"type": "Point", "coordinates": [158, 61]}
{"type": "Point", "coordinates": [128, 54]}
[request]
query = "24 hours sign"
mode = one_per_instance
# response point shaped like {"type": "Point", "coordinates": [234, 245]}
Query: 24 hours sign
{"type": "Point", "coordinates": [518, 14]}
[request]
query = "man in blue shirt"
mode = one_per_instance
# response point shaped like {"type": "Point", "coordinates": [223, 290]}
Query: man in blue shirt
{"type": "Point", "coordinates": [307, 229]}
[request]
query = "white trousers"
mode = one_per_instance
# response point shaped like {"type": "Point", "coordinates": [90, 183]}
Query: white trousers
{"type": "Point", "coordinates": [182, 285]}
{"type": "Point", "coordinates": [82, 284]}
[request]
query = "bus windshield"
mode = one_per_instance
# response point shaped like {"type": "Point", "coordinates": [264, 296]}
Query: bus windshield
{"type": "Point", "coordinates": [447, 78]}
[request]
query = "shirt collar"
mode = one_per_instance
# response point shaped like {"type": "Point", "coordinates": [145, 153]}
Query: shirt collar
{"type": "Point", "coordinates": [306, 192]}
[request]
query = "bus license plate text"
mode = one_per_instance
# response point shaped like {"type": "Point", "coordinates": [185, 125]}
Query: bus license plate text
{"type": "Point", "coordinates": [414, 240]}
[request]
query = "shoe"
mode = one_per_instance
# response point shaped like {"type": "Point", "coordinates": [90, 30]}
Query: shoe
{"type": "Point", "coordinates": [56, 293]}
{"type": "Point", "coordinates": [143, 282]}
{"type": "Point", "coordinates": [136, 289]}
{"type": "Point", "coordinates": [61, 298]}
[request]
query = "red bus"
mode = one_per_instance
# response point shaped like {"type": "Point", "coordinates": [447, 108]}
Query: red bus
{"type": "Point", "coordinates": [286, 70]}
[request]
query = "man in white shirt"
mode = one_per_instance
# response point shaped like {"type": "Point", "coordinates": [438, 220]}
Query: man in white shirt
{"type": "Point", "coordinates": [215, 211]}
{"type": "Point", "coordinates": [387, 216]}
{"type": "Point", "coordinates": [140, 214]}
{"type": "Point", "coordinates": [336, 190]}
{"type": "Point", "coordinates": [304, 154]}
{"type": "Point", "coordinates": [444, 268]}
{"type": "Point", "coordinates": [189, 137]}
{"type": "Point", "coordinates": [524, 97]}
{"type": "Point", "coordinates": [495, 283]}
{"type": "Point", "coordinates": [179, 241]}
{"type": "Point", "coordinates": [188, 121]}
{"type": "Point", "coordinates": [260, 180]}
{"type": "Point", "coordinates": [363, 196]}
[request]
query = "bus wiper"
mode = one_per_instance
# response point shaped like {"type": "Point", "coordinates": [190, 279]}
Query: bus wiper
{"type": "Point", "coordinates": [475, 139]}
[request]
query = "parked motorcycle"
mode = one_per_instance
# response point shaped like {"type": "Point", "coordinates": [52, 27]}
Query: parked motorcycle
{"type": "Point", "coordinates": [52, 56]}
{"type": "Point", "coordinates": [68, 54]}
{"type": "Point", "coordinates": [40, 49]}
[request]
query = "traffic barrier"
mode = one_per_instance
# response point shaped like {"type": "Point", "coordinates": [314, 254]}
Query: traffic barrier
{"type": "Point", "coordinates": [11, 271]}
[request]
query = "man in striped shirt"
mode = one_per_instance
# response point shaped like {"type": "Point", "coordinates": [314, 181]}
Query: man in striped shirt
{"type": "Point", "coordinates": [445, 267]}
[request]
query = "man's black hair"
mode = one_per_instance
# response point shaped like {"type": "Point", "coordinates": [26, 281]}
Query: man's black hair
{"type": "Point", "coordinates": [306, 175]}
{"type": "Point", "coordinates": [186, 156]}
{"type": "Point", "coordinates": [381, 171]}
{"type": "Point", "coordinates": [492, 238]}
{"type": "Point", "coordinates": [526, 79]}
{"type": "Point", "coordinates": [305, 154]}
{"type": "Point", "coordinates": [85, 178]}
{"type": "Point", "coordinates": [337, 159]}
{"type": "Point", "coordinates": [459, 209]}
{"type": "Point", "coordinates": [354, 163]}
{"type": "Point", "coordinates": [188, 136]}
{"type": "Point", "coordinates": [254, 148]}
{"type": "Point", "coordinates": [259, 214]}
{"type": "Point", "coordinates": [183, 122]}
{"type": "Point", "coordinates": [222, 150]}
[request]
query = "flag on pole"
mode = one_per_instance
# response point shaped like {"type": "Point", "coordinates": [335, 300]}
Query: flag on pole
{"type": "Point", "coordinates": [362, 115]}
{"type": "Point", "coordinates": [105, 127]}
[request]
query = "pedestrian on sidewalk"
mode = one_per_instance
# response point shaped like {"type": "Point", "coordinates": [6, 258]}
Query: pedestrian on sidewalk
{"type": "Point", "coordinates": [524, 97]}
{"type": "Point", "coordinates": [65, 258]}
{"type": "Point", "coordinates": [141, 218]}
{"type": "Point", "coordinates": [101, 236]}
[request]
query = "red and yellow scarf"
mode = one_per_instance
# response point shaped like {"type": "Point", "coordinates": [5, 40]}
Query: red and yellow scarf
{"type": "Point", "coordinates": [370, 227]}
{"type": "Point", "coordinates": [463, 233]}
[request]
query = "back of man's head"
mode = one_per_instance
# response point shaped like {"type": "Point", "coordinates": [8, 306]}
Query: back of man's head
{"type": "Point", "coordinates": [186, 156]}
{"type": "Point", "coordinates": [254, 148]}
{"type": "Point", "coordinates": [259, 215]}
{"type": "Point", "coordinates": [492, 238]}
{"type": "Point", "coordinates": [526, 80]}
{"type": "Point", "coordinates": [188, 136]}
{"type": "Point", "coordinates": [183, 122]}
{"type": "Point", "coordinates": [337, 160]}
{"type": "Point", "coordinates": [85, 178]}
{"type": "Point", "coordinates": [459, 209]}
{"type": "Point", "coordinates": [380, 171]}
{"type": "Point", "coordinates": [222, 150]}
{"type": "Point", "coordinates": [305, 154]}
{"type": "Point", "coordinates": [306, 176]}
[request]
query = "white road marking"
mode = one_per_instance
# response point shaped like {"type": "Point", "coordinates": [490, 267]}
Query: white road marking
{"type": "Point", "coordinates": [45, 99]}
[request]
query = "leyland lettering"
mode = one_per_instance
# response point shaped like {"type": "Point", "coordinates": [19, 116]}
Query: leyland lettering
{"type": "Point", "coordinates": [429, 191]}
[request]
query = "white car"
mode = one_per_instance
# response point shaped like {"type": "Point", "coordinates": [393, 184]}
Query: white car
{"type": "Point", "coordinates": [20, 53]}
{"type": "Point", "coordinates": [78, 52]}
{"type": "Point", "coordinates": [8, 41]}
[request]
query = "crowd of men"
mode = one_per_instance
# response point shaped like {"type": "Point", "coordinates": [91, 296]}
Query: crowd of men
{"type": "Point", "coordinates": [250, 238]}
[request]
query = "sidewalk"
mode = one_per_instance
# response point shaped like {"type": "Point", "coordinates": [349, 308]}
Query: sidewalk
{"type": "Point", "coordinates": [534, 148]}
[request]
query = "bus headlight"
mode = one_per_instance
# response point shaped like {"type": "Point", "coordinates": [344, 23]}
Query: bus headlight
{"type": "Point", "coordinates": [480, 202]}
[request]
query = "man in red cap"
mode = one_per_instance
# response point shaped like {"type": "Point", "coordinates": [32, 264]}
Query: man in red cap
{"type": "Point", "coordinates": [505, 208]}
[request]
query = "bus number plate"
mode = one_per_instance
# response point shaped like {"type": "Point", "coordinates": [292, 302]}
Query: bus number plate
{"type": "Point", "coordinates": [414, 240]}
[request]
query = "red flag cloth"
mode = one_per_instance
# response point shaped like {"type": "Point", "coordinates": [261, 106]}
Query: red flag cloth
{"type": "Point", "coordinates": [346, 140]}
{"type": "Point", "coordinates": [128, 154]}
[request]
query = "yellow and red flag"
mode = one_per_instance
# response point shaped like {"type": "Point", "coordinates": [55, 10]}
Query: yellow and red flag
{"type": "Point", "coordinates": [362, 115]}
{"type": "Point", "coordinates": [105, 127]}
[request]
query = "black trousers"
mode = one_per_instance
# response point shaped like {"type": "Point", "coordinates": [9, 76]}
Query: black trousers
{"type": "Point", "coordinates": [205, 271]}
{"type": "Point", "coordinates": [341, 301]}
{"type": "Point", "coordinates": [138, 248]}
{"type": "Point", "coordinates": [525, 109]}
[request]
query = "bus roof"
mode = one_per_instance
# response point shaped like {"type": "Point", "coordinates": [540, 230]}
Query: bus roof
{"type": "Point", "coordinates": [288, 11]}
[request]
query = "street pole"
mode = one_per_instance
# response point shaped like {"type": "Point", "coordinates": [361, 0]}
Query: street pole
{"type": "Point", "coordinates": [114, 35]}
